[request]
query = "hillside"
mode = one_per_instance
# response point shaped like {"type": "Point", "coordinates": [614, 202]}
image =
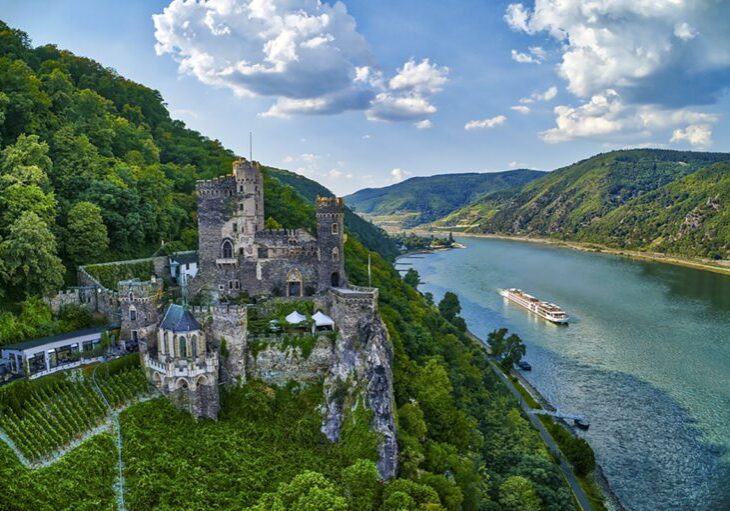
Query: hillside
{"type": "Point", "coordinates": [368, 234]}
{"type": "Point", "coordinates": [90, 156]}
{"type": "Point", "coordinates": [92, 167]}
{"type": "Point", "coordinates": [421, 200]}
{"type": "Point", "coordinates": [634, 198]}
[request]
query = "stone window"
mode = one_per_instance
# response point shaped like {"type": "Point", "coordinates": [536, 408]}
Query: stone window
{"type": "Point", "coordinates": [135, 335]}
{"type": "Point", "coordinates": [240, 206]}
{"type": "Point", "coordinates": [227, 249]}
{"type": "Point", "coordinates": [221, 287]}
{"type": "Point", "coordinates": [183, 344]}
{"type": "Point", "coordinates": [236, 284]}
{"type": "Point", "coordinates": [131, 296]}
{"type": "Point", "coordinates": [263, 253]}
{"type": "Point", "coordinates": [294, 283]}
{"type": "Point", "coordinates": [132, 314]}
{"type": "Point", "coordinates": [335, 228]}
{"type": "Point", "coordinates": [235, 227]}
{"type": "Point", "coordinates": [336, 254]}
{"type": "Point", "coordinates": [240, 251]}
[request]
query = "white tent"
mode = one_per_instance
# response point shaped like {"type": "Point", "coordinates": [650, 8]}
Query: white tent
{"type": "Point", "coordinates": [295, 318]}
{"type": "Point", "coordinates": [322, 320]}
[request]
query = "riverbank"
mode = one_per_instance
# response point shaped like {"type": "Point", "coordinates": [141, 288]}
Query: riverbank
{"type": "Point", "coordinates": [696, 263]}
{"type": "Point", "coordinates": [595, 485]}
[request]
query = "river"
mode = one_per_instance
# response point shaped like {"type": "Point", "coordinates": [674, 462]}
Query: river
{"type": "Point", "coordinates": [646, 357]}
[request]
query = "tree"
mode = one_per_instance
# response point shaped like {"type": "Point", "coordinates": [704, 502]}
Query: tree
{"type": "Point", "coordinates": [412, 278]}
{"type": "Point", "coordinates": [508, 350]}
{"type": "Point", "coordinates": [518, 494]}
{"type": "Point", "coordinates": [449, 306]}
{"type": "Point", "coordinates": [272, 224]}
{"type": "Point", "coordinates": [362, 485]}
{"type": "Point", "coordinates": [308, 491]}
{"type": "Point", "coordinates": [86, 233]}
{"type": "Point", "coordinates": [29, 256]}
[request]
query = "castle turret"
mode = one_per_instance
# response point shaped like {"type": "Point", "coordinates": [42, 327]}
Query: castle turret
{"type": "Point", "coordinates": [249, 210]}
{"type": "Point", "coordinates": [331, 242]}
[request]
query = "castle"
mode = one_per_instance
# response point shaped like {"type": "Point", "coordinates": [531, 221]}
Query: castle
{"type": "Point", "coordinates": [246, 271]}
{"type": "Point", "coordinates": [237, 255]}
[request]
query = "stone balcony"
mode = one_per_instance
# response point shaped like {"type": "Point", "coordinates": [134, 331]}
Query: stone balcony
{"type": "Point", "coordinates": [183, 368]}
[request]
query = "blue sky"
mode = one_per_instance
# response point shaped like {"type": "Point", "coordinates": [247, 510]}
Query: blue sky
{"type": "Point", "coordinates": [366, 93]}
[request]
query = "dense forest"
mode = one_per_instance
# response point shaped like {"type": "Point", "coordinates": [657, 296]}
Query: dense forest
{"type": "Point", "coordinates": [647, 199]}
{"type": "Point", "coordinates": [420, 200]}
{"type": "Point", "coordinates": [93, 168]}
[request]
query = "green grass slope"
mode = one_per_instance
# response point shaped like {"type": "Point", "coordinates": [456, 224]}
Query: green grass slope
{"type": "Point", "coordinates": [598, 199]}
{"type": "Point", "coordinates": [433, 197]}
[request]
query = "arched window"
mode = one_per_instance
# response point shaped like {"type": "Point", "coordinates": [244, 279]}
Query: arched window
{"type": "Point", "coordinates": [131, 296]}
{"type": "Point", "coordinates": [294, 283]}
{"type": "Point", "coordinates": [165, 342]}
{"type": "Point", "coordinates": [194, 343]}
{"type": "Point", "coordinates": [336, 254]}
{"type": "Point", "coordinates": [335, 228]}
{"type": "Point", "coordinates": [183, 344]}
{"type": "Point", "coordinates": [227, 249]}
{"type": "Point", "coordinates": [132, 313]}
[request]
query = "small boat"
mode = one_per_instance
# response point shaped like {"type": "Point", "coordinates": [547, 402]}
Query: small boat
{"type": "Point", "coordinates": [524, 365]}
{"type": "Point", "coordinates": [581, 423]}
{"type": "Point", "coordinates": [545, 310]}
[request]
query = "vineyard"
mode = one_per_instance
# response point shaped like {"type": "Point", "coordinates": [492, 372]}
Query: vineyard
{"type": "Point", "coordinates": [46, 415]}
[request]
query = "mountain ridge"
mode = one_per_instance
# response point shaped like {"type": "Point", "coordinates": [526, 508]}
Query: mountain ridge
{"type": "Point", "coordinates": [423, 199]}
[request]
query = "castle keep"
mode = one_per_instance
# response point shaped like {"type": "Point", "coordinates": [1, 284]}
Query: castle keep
{"type": "Point", "coordinates": [237, 255]}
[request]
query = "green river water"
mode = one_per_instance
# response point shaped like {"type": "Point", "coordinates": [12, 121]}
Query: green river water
{"type": "Point", "coordinates": [646, 357]}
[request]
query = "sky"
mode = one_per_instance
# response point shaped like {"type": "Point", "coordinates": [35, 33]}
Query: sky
{"type": "Point", "coordinates": [367, 93]}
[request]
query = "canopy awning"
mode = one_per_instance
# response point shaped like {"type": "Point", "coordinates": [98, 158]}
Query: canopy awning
{"type": "Point", "coordinates": [322, 319]}
{"type": "Point", "coordinates": [295, 318]}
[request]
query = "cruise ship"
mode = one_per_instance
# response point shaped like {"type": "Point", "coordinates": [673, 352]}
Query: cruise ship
{"type": "Point", "coordinates": [545, 310]}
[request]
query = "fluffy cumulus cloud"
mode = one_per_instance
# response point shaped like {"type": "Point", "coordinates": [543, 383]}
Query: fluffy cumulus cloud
{"type": "Point", "coordinates": [626, 61]}
{"type": "Point", "coordinates": [306, 55]}
{"type": "Point", "coordinates": [482, 124]}
{"type": "Point", "coordinates": [535, 56]}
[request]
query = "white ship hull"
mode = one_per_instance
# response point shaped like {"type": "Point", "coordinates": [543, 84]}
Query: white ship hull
{"type": "Point", "coordinates": [545, 310]}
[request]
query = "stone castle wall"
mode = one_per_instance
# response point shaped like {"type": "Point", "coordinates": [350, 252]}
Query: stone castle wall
{"type": "Point", "coordinates": [278, 365]}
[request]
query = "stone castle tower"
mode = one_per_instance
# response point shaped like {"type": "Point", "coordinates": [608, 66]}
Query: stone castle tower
{"type": "Point", "coordinates": [330, 240]}
{"type": "Point", "coordinates": [237, 255]}
{"type": "Point", "coordinates": [138, 302]}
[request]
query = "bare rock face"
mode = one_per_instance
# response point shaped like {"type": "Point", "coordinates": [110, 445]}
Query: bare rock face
{"type": "Point", "coordinates": [697, 216]}
{"type": "Point", "coordinates": [278, 365]}
{"type": "Point", "coordinates": [361, 371]}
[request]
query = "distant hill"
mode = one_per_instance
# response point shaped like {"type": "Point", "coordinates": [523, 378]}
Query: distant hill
{"type": "Point", "coordinates": [421, 200]}
{"type": "Point", "coordinates": [673, 201]}
{"type": "Point", "coordinates": [367, 233]}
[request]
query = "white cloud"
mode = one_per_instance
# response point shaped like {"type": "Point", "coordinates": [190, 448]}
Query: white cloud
{"type": "Point", "coordinates": [523, 58]}
{"type": "Point", "coordinates": [698, 135]}
{"type": "Point", "coordinates": [366, 137]}
{"type": "Point", "coordinates": [424, 124]}
{"type": "Point", "coordinates": [548, 95]}
{"type": "Point", "coordinates": [408, 93]}
{"type": "Point", "coordinates": [485, 123]}
{"type": "Point", "coordinates": [398, 175]}
{"type": "Point", "coordinates": [536, 55]}
{"type": "Point", "coordinates": [607, 116]}
{"type": "Point", "coordinates": [306, 55]}
{"type": "Point", "coordinates": [521, 109]}
{"type": "Point", "coordinates": [685, 31]}
{"type": "Point", "coordinates": [631, 62]}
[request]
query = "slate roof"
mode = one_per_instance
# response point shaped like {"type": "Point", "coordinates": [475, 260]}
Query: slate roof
{"type": "Point", "coordinates": [185, 257]}
{"type": "Point", "coordinates": [68, 336]}
{"type": "Point", "coordinates": [179, 319]}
